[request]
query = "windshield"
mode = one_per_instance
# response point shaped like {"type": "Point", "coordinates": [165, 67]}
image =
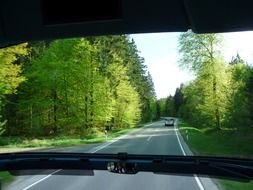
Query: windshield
{"type": "Point", "coordinates": [146, 94]}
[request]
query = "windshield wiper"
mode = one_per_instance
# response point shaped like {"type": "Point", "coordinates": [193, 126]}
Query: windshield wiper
{"type": "Point", "coordinates": [123, 163]}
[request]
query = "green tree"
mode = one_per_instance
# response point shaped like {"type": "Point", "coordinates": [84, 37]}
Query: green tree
{"type": "Point", "coordinates": [178, 100]}
{"type": "Point", "coordinates": [71, 89]}
{"type": "Point", "coordinates": [249, 86]}
{"type": "Point", "coordinates": [162, 107]}
{"type": "Point", "coordinates": [79, 85]}
{"type": "Point", "coordinates": [10, 75]}
{"type": "Point", "coordinates": [201, 53]}
{"type": "Point", "coordinates": [238, 113]}
{"type": "Point", "coordinates": [126, 99]}
{"type": "Point", "coordinates": [124, 47]}
{"type": "Point", "coordinates": [62, 81]}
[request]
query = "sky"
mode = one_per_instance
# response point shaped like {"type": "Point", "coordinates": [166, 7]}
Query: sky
{"type": "Point", "coordinates": [160, 51]}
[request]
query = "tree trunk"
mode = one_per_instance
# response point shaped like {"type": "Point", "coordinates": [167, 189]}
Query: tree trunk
{"type": "Point", "coordinates": [66, 97]}
{"type": "Point", "coordinates": [86, 112]}
{"type": "Point", "coordinates": [217, 111]}
{"type": "Point", "coordinates": [92, 108]}
{"type": "Point", "coordinates": [31, 117]}
{"type": "Point", "coordinates": [55, 111]}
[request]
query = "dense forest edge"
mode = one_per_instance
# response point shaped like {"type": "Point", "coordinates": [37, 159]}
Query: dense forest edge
{"type": "Point", "coordinates": [216, 108]}
{"type": "Point", "coordinates": [220, 97]}
{"type": "Point", "coordinates": [74, 87]}
{"type": "Point", "coordinates": [85, 90]}
{"type": "Point", "coordinates": [81, 87]}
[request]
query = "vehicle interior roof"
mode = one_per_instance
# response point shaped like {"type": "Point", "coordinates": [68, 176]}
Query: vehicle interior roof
{"type": "Point", "coordinates": [49, 19]}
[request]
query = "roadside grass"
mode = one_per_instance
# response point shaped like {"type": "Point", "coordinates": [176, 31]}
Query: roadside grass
{"type": "Point", "coordinates": [226, 142]}
{"type": "Point", "coordinates": [5, 178]}
{"type": "Point", "coordinates": [59, 141]}
{"type": "Point", "coordinates": [235, 185]}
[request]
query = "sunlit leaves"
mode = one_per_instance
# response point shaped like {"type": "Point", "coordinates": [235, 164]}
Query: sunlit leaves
{"type": "Point", "coordinates": [202, 54]}
{"type": "Point", "coordinates": [220, 95]}
{"type": "Point", "coordinates": [198, 50]}
{"type": "Point", "coordinates": [10, 72]}
{"type": "Point", "coordinates": [80, 85]}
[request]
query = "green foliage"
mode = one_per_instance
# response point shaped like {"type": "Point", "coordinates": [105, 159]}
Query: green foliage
{"type": "Point", "coordinates": [126, 103]}
{"type": "Point", "coordinates": [202, 54]}
{"type": "Point", "coordinates": [10, 75]}
{"type": "Point", "coordinates": [18, 143]}
{"type": "Point", "coordinates": [238, 113]}
{"type": "Point", "coordinates": [74, 86]}
{"type": "Point", "coordinates": [232, 98]}
{"type": "Point", "coordinates": [199, 50]}
{"type": "Point", "coordinates": [220, 95]}
{"type": "Point", "coordinates": [178, 100]}
{"type": "Point", "coordinates": [123, 48]}
{"type": "Point", "coordinates": [2, 127]}
{"type": "Point", "coordinates": [170, 106]}
{"type": "Point", "coordinates": [5, 177]}
{"type": "Point", "coordinates": [162, 107]}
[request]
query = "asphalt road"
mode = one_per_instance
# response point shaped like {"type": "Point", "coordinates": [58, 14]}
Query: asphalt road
{"type": "Point", "coordinates": [152, 139]}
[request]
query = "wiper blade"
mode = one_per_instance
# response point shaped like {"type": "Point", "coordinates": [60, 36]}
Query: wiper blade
{"type": "Point", "coordinates": [240, 169]}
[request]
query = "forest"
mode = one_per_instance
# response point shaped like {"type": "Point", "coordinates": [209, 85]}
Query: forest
{"type": "Point", "coordinates": [221, 95]}
{"type": "Point", "coordinates": [74, 86]}
{"type": "Point", "coordinates": [72, 91]}
{"type": "Point", "coordinates": [80, 86]}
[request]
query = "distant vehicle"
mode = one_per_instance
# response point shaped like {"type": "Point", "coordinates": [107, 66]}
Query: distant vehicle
{"type": "Point", "coordinates": [169, 122]}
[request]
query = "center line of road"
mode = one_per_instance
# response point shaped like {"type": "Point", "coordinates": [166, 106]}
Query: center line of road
{"type": "Point", "coordinates": [116, 139]}
{"type": "Point", "coordinates": [149, 138]}
{"type": "Point", "coordinates": [93, 151]}
{"type": "Point", "coordinates": [28, 187]}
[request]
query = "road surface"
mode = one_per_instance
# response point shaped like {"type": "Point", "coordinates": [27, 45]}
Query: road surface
{"type": "Point", "coordinates": [152, 139]}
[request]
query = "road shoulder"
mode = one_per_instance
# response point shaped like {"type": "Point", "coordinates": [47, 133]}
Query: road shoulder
{"type": "Point", "coordinates": [207, 183]}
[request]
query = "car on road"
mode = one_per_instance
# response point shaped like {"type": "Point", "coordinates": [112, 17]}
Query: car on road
{"type": "Point", "coordinates": [169, 122]}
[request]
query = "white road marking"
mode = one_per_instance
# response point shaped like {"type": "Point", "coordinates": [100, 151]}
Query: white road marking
{"type": "Point", "coordinates": [115, 140]}
{"type": "Point", "coordinates": [107, 144]}
{"type": "Point", "coordinates": [198, 182]}
{"type": "Point", "coordinates": [98, 148]}
{"type": "Point", "coordinates": [149, 138]}
{"type": "Point", "coordinates": [195, 176]}
{"type": "Point", "coordinates": [103, 146]}
{"type": "Point", "coordinates": [44, 178]}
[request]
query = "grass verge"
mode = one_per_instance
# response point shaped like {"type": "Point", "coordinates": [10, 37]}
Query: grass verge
{"type": "Point", "coordinates": [16, 143]}
{"type": "Point", "coordinates": [5, 177]}
{"type": "Point", "coordinates": [225, 142]}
